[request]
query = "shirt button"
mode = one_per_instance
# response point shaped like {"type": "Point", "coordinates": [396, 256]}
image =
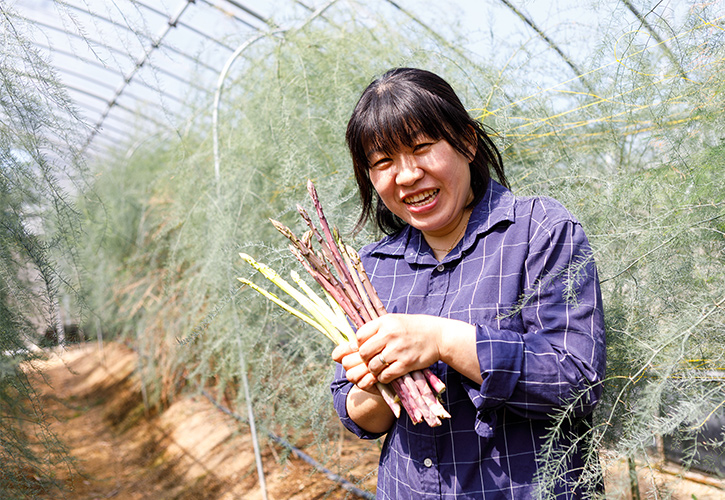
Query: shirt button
{"type": "Point", "coordinates": [428, 462]}
{"type": "Point", "coordinates": [440, 268]}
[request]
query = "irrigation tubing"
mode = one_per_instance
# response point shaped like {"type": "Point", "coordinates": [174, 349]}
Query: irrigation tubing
{"type": "Point", "coordinates": [344, 483]}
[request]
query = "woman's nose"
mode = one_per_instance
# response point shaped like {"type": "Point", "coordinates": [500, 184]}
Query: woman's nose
{"type": "Point", "coordinates": [409, 171]}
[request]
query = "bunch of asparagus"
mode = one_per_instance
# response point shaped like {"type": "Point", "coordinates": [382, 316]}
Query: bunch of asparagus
{"type": "Point", "coordinates": [339, 271]}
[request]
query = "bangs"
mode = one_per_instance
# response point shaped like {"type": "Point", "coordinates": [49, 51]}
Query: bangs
{"type": "Point", "coordinates": [393, 113]}
{"type": "Point", "coordinates": [392, 122]}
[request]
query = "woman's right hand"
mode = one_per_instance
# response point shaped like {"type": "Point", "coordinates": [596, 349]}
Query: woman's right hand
{"type": "Point", "coordinates": [364, 403]}
{"type": "Point", "coordinates": [356, 370]}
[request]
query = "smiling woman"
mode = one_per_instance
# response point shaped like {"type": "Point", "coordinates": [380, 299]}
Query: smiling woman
{"type": "Point", "coordinates": [428, 186]}
{"type": "Point", "coordinates": [479, 285]}
{"type": "Point", "coordinates": [408, 111]}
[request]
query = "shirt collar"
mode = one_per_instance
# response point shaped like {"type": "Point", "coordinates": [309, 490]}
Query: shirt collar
{"type": "Point", "coordinates": [497, 205]}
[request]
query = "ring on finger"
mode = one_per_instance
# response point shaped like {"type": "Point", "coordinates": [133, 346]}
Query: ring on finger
{"type": "Point", "coordinates": [382, 360]}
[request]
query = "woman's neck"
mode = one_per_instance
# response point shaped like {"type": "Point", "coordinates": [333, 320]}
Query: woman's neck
{"type": "Point", "coordinates": [442, 245]}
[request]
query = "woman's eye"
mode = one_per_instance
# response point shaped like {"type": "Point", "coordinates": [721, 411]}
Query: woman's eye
{"type": "Point", "coordinates": [382, 163]}
{"type": "Point", "coordinates": [422, 147]}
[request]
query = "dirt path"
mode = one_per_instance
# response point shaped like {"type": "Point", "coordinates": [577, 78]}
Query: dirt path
{"type": "Point", "coordinates": [190, 451]}
{"type": "Point", "coordinates": [194, 451]}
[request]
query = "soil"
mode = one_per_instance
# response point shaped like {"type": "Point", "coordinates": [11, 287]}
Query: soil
{"type": "Point", "coordinates": [192, 450]}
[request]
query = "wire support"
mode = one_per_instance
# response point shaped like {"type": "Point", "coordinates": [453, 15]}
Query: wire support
{"type": "Point", "coordinates": [527, 20]}
{"type": "Point", "coordinates": [179, 23]}
{"type": "Point", "coordinates": [117, 72]}
{"type": "Point", "coordinates": [220, 84]}
{"type": "Point", "coordinates": [139, 63]}
{"type": "Point", "coordinates": [251, 13]}
{"type": "Point", "coordinates": [232, 15]}
{"type": "Point", "coordinates": [109, 86]}
{"type": "Point", "coordinates": [114, 50]}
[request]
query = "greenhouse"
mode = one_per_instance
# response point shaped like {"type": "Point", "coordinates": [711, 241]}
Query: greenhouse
{"type": "Point", "coordinates": [152, 151]}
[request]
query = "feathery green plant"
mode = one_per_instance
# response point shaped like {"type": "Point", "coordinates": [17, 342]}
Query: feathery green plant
{"type": "Point", "coordinates": [636, 153]}
{"type": "Point", "coordinates": [39, 228]}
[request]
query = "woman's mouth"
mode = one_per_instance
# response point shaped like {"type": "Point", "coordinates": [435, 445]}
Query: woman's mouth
{"type": "Point", "coordinates": [420, 199]}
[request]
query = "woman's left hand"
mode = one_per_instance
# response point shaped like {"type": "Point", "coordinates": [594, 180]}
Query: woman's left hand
{"type": "Point", "coordinates": [395, 344]}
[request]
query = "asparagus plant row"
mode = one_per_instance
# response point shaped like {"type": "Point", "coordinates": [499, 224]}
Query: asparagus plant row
{"type": "Point", "coordinates": [350, 287]}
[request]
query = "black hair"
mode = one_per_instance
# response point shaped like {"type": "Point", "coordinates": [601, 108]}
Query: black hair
{"type": "Point", "coordinates": [393, 111]}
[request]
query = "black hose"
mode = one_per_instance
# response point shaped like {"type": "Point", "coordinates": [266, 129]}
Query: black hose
{"type": "Point", "coordinates": [344, 483]}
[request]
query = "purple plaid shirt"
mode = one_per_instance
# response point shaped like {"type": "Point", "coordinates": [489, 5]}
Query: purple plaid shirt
{"type": "Point", "coordinates": [523, 274]}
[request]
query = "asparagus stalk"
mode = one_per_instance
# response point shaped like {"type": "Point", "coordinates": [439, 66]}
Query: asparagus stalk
{"type": "Point", "coordinates": [369, 290]}
{"type": "Point", "coordinates": [329, 286]}
{"type": "Point", "coordinates": [434, 381]}
{"type": "Point", "coordinates": [415, 413]}
{"type": "Point", "coordinates": [338, 320]}
{"type": "Point", "coordinates": [295, 312]}
{"type": "Point", "coordinates": [346, 278]}
{"type": "Point", "coordinates": [305, 302]}
{"type": "Point", "coordinates": [364, 295]}
{"type": "Point", "coordinates": [430, 399]}
{"type": "Point", "coordinates": [352, 291]}
{"type": "Point", "coordinates": [322, 317]}
{"type": "Point", "coordinates": [326, 230]}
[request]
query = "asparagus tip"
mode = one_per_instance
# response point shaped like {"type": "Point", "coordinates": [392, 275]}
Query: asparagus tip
{"type": "Point", "coordinates": [312, 190]}
{"type": "Point", "coordinates": [280, 227]}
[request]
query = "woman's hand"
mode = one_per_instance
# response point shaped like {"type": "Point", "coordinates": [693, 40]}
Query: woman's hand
{"type": "Point", "coordinates": [364, 403]}
{"type": "Point", "coordinates": [395, 344]}
{"type": "Point", "coordinates": [356, 369]}
{"type": "Point", "coordinates": [409, 342]}
{"type": "Point", "coordinates": [406, 342]}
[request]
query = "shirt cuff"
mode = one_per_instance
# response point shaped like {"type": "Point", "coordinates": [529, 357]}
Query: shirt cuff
{"type": "Point", "coordinates": [500, 358]}
{"type": "Point", "coordinates": [340, 404]}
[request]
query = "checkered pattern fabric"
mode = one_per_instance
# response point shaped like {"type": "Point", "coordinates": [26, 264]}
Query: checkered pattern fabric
{"type": "Point", "coordinates": [524, 275]}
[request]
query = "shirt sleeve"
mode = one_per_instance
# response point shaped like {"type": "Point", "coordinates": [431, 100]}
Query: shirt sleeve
{"type": "Point", "coordinates": [340, 388]}
{"type": "Point", "coordinates": [557, 361]}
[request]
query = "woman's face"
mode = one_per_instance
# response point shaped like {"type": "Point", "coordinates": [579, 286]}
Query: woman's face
{"type": "Point", "coordinates": [427, 185]}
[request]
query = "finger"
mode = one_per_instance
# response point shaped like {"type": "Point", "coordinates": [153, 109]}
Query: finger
{"type": "Point", "coordinates": [366, 331]}
{"type": "Point", "coordinates": [372, 346]}
{"type": "Point", "coordinates": [390, 373]}
{"type": "Point", "coordinates": [359, 374]}
{"type": "Point", "coordinates": [367, 383]}
{"type": "Point", "coordinates": [379, 363]}
{"type": "Point", "coordinates": [352, 360]}
{"type": "Point", "coordinates": [343, 350]}
{"type": "Point", "coordinates": [376, 335]}
{"type": "Point", "coordinates": [371, 349]}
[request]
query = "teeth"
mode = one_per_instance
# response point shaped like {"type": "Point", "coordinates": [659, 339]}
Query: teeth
{"type": "Point", "coordinates": [421, 198]}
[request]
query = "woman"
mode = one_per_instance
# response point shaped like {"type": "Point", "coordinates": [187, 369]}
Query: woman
{"type": "Point", "coordinates": [497, 294]}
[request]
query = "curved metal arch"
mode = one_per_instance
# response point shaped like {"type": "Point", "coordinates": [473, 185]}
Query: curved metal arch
{"type": "Point", "coordinates": [220, 84]}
